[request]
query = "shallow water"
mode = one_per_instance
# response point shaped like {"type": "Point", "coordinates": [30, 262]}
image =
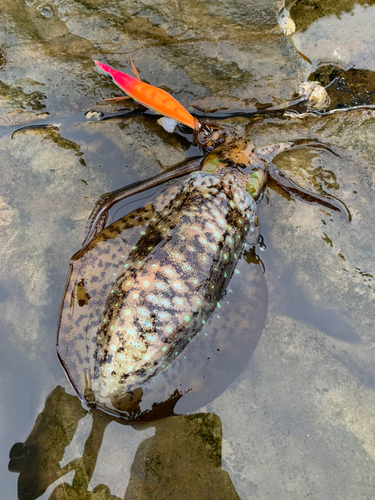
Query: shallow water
{"type": "Point", "coordinates": [298, 421]}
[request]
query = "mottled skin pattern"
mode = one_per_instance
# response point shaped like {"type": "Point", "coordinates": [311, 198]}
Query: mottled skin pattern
{"type": "Point", "coordinates": [142, 288]}
{"type": "Point", "coordinates": [163, 292]}
{"type": "Point", "coordinates": [171, 281]}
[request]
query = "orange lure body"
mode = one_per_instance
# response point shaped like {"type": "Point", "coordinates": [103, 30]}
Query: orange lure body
{"type": "Point", "coordinates": [149, 96]}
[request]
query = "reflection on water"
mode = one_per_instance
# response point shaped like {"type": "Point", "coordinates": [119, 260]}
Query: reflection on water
{"type": "Point", "coordinates": [305, 12]}
{"type": "Point", "coordinates": [343, 37]}
{"type": "Point", "coordinates": [182, 460]}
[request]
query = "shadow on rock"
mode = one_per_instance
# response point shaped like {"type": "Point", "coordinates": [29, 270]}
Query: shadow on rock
{"type": "Point", "coordinates": [181, 461]}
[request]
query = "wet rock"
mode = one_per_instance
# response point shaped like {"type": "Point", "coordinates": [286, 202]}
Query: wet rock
{"type": "Point", "coordinates": [286, 23]}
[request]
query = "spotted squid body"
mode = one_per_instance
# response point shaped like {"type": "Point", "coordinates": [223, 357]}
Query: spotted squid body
{"type": "Point", "coordinates": [162, 292]}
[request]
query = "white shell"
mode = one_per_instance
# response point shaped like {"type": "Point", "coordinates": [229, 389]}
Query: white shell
{"type": "Point", "coordinates": [316, 95]}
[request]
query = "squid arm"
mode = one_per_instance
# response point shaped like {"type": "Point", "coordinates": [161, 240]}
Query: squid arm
{"type": "Point", "coordinates": [295, 191]}
{"type": "Point", "coordinates": [99, 215]}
